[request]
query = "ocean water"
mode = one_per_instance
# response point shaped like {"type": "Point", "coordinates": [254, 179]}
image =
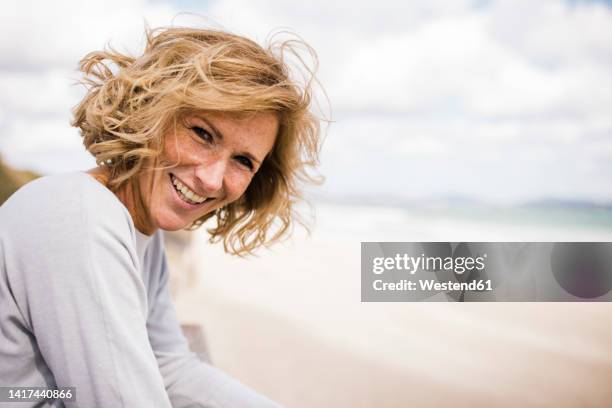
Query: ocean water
{"type": "Point", "coordinates": [355, 222]}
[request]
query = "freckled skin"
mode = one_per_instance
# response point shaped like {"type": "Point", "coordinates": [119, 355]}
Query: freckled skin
{"type": "Point", "coordinates": [211, 165]}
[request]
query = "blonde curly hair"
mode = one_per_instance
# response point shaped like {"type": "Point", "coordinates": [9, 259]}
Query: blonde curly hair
{"type": "Point", "coordinates": [131, 102]}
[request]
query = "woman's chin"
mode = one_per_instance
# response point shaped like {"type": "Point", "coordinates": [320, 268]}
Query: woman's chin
{"type": "Point", "coordinates": [172, 224]}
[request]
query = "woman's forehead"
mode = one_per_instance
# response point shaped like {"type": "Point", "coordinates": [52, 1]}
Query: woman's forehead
{"type": "Point", "coordinates": [240, 116]}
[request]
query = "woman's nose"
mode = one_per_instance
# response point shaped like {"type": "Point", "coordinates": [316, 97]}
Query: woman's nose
{"type": "Point", "coordinates": [210, 176]}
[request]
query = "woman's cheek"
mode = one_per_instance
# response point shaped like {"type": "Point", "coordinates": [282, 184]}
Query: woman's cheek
{"type": "Point", "coordinates": [241, 188]}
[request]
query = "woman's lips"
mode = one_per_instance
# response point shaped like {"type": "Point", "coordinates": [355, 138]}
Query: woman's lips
{"type": "Point", "coordinates": [186, 195]}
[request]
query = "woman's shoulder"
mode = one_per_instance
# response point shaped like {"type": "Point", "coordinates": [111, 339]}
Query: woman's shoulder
{"type": "Point", "coordinates": [64, 201]}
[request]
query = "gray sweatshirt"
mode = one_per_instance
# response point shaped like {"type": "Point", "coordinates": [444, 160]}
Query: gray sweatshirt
{"type": "Point", "coordinates": [84, 303]}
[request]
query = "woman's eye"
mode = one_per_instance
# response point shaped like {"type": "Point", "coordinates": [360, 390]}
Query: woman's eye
{"type": "Point", "coordinates": [203, 134]}
{"type": "Point", "coordinates": [245, 161]}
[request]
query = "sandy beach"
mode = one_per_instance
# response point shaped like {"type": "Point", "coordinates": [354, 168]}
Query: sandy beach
{"type": "Point", "coordinates": [290, 323]}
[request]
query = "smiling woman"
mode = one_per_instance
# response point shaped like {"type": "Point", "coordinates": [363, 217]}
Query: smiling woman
{"type": "Point", "coordinates": [206, 169]}
{"type": "Point", "coordinates": [237, 99]}
{"type": "Point", "coordinates": [203, 125]}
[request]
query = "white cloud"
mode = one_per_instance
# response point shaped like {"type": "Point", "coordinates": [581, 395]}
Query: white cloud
{"type": "Point", "coordinates": [59, 33]}
{"type": "Point", "coordinates": [39, 53]}
{"type": "Point", "coordinates": [553, 32]}
{"type": "Point", "coordinates": [50, 92]}
{"type": "Point", "coordinates": [46, 144]}
{"type": "Point", "coordinates": [512, 93]}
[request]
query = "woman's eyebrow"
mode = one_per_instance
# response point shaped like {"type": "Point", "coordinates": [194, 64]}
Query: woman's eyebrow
{"type": "Point", "coordinates": [219, 135]}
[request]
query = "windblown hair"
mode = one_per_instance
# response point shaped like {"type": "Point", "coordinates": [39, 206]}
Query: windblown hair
{"type": "Point", "coordinates": [132, 102]}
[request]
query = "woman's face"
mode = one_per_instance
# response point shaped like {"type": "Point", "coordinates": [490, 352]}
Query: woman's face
{"type": "Point", "coordinates": [217, 156]}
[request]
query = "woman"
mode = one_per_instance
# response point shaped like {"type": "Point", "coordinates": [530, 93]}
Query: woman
{"type": "Point", "coordinates": [204, 125]}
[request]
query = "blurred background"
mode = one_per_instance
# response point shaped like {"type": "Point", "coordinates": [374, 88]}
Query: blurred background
{"type": "Point", "coordinates": [451, 121]}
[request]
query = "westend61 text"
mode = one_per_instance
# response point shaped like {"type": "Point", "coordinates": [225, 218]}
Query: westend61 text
{"type": "Point", "coordinates": [433, 285]}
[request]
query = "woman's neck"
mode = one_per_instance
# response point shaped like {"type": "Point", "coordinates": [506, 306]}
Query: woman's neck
{"type": "Point", "coordinates": [126, 195]}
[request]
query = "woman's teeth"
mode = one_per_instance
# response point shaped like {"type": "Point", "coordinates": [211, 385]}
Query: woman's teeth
{"type": "Point", "coordinates": [185, 193]}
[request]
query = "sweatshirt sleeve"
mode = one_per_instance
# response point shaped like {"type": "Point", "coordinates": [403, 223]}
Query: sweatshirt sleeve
{"type": "Point", "coordinates": [189, 381]}
{"type": "Point", "coordinates": [73, 268]}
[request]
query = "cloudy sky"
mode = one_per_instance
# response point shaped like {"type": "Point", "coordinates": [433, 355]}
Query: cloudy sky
{"type": "Point", "coordinates": [501, 101]}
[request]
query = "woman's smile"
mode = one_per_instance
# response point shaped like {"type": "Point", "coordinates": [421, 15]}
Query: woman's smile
{"type": "Point", "coordinates": [186, 194]}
